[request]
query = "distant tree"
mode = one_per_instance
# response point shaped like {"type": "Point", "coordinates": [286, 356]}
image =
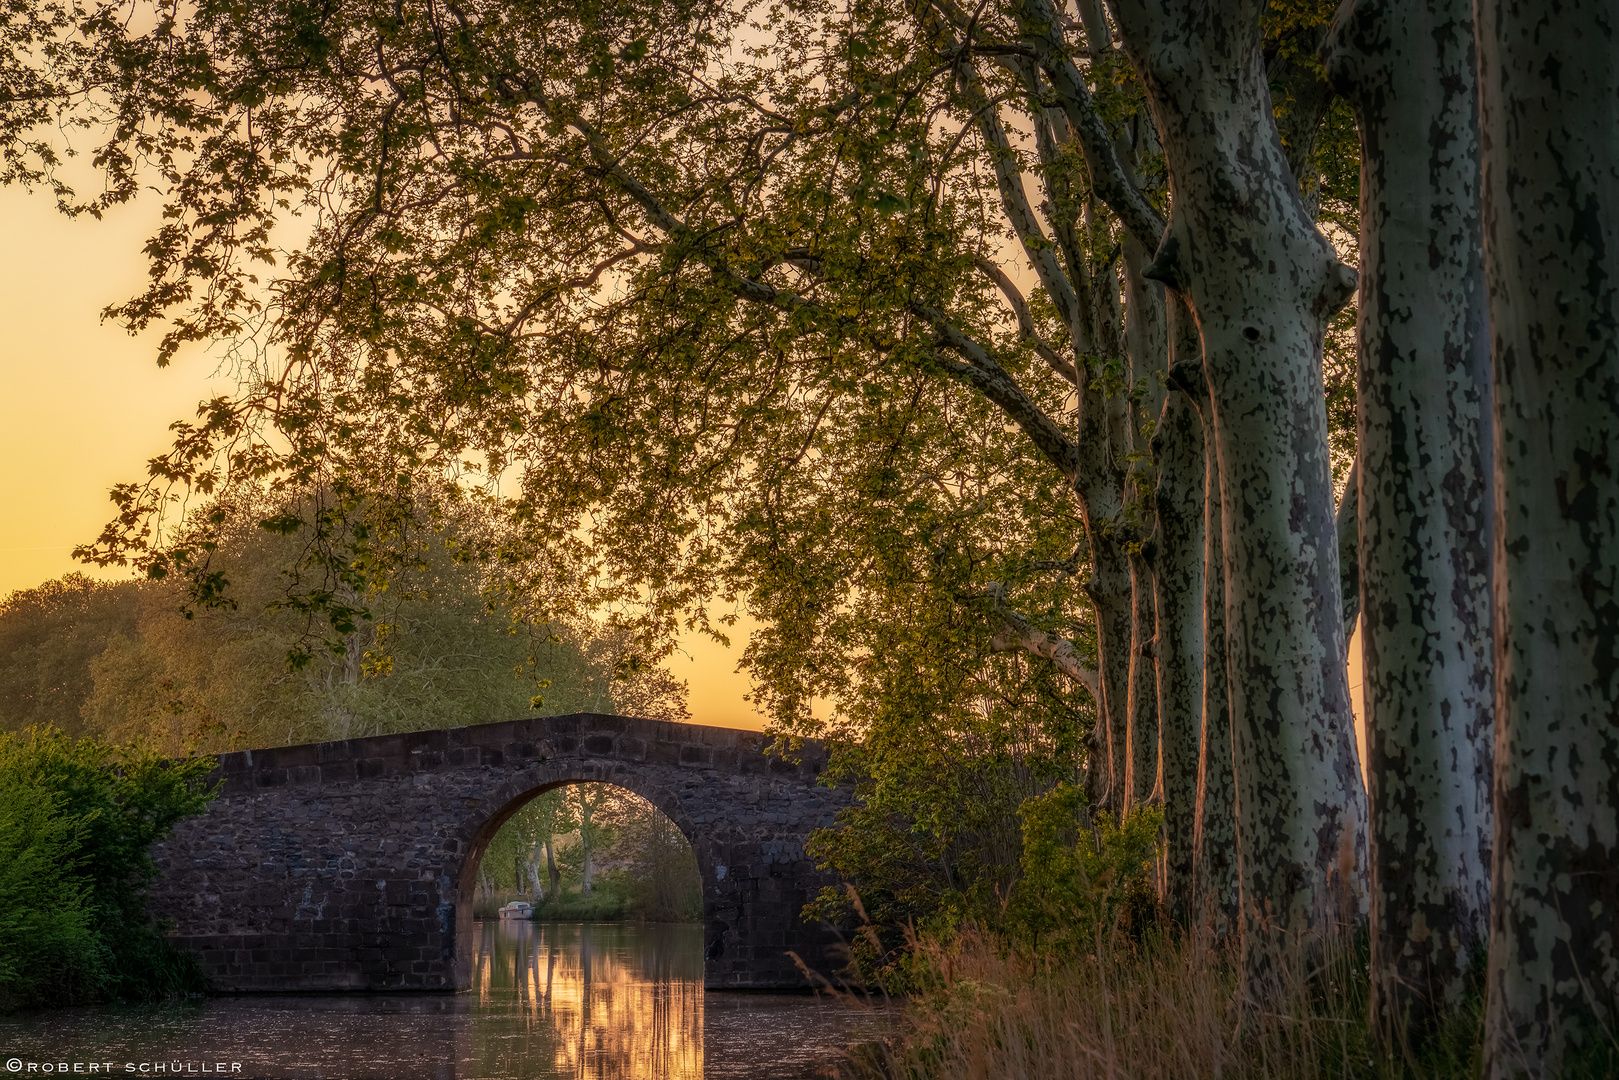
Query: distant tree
{"type": "Point", "coordinates": [521, 842]}
{"type": "Point", "coordinates": [49, 637]}
{"type": "Point", "coordinates": [143, 662]}
{"type": "Point", "coordinates": [613, 846]}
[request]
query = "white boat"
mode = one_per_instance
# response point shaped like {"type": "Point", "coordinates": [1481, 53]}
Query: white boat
{"type": "Point", "coordinates": [517, 909]}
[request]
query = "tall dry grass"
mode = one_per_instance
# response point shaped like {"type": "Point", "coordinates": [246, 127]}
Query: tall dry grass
{"type": "Point", "coordinates": [1159, 1010]}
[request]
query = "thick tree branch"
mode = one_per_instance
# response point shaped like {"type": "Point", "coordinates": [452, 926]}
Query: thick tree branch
{"type": "Point", "coordinates": [1019, 633]}
{"type": "Point", "coordinates": [990, 379]}
{"type": "Point", "coordinates": [1015, 204]}
{"type": "Point", "coordinates": [1113, 184]}
{"type": "Point", "coordinates": [1025, 321]}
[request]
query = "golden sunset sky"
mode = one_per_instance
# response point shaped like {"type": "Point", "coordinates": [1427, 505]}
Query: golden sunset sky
{"type": "Point", "coordinates": [83, 405]}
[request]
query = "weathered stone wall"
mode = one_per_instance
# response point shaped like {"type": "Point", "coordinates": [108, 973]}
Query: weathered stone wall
{"type": "Point", "coordinates": [351, 865]}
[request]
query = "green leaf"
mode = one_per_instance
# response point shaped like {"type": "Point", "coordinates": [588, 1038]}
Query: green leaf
{"type": "Point", "coordinates": [888, 204]}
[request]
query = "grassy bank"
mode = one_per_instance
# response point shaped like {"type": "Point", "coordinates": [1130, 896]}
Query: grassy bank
{"type": "Point", "coordinates": [1159, 1010]}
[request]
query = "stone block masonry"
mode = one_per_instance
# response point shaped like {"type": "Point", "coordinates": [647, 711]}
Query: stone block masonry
{"type": "Point", "coordinates": [351, 865]}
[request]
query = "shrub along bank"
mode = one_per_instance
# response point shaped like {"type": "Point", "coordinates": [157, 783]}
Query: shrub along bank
{"type": "Point", "coordinates": [1078, 974]}
{"type": "Point", "coordinates": [77, 818]}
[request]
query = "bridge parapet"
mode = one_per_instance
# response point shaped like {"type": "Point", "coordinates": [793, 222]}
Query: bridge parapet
{"type": "Point", "coordinates": [350, 865]}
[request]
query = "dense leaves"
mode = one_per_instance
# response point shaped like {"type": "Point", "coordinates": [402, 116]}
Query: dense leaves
{"type": "Point", "coordinates": [122, 661]}
{"type": "Point", "coordinates": [76, 821]}
{"type": "Point", "coordinates": [715, 306]}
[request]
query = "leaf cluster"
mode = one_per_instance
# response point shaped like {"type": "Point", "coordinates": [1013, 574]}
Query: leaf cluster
{"type": "Point", "coordinates": [80, 818]}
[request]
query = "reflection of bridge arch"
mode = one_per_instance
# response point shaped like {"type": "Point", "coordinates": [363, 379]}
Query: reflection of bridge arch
{"type": "Point", "coordinates": [350, 865]}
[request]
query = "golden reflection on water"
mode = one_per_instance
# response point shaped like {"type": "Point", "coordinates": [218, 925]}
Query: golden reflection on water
{"type": "Point", "coordinates": [549, 1001]}
{"type": "Point", "coordinates": [601, 1001]}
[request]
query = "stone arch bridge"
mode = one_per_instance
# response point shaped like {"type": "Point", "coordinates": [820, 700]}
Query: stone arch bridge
{"type": "Point", "coordinates": [350, 865]}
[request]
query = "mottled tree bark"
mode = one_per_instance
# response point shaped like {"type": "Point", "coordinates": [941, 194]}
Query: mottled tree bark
{"type": "Point", "coordinates": [1177, 560]}
{"type": "Point", "coordinates": [1348, 524]}
{"type": "Point", "coordinates": [1141, 754]}
{"type": "Point", "coordinates": [1110, 592]}
{"type": "Point", "coordinates": [1262, 282]}
{"type": "Point", "coordinates": [1423, 500]}
{"type": "Point", "coordinates": [1549, 90]}
{"type": "Point", "coordinates": [1219, 896]}
{"type": "Point", "coordinates": [1101, 441]}
{"type": "Point", "coordinates": [1146, 338]}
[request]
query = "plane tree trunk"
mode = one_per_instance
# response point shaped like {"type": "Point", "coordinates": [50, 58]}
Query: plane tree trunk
{"type": "Point", "coordinates": [1177, 573]}
{"type": "Point", "coordinates": [1423, 501]}
{"type": "Point", "coordinates": [1219, 896]}
{"type": "Point", "coordinates": [1548, 83]}
{"type": "Point", "coordinates": [587, 871]}
{"type": "Point", "coordinates": [1147, 349]}
{"type": "Point", "coordinates": [1243, 252]}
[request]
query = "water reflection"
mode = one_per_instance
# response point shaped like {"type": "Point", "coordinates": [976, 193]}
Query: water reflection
{"type": "Point", "coordinates": [598, 1000]}
{"type": "Point", "coordinates": [549, 1000]}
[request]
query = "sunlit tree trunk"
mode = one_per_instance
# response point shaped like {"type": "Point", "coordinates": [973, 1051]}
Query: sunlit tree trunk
{"type": "Point", "coordinates": [1109, 591]}
{"type": "Point", "coordinates": [1147, 348]}
{"type": "Point", "coordinates": [1101, 438]}
{"type": "Point", "coordinates": [1548, 88]}
{"type": "Point", "coordinates": [1219, 889]}
{"type": "Point", "coordinates": [1262, 282]}
{"type": "Point", "coordinates": [1423, 501]}
{"type": "Point", "coordinates": [1348, 523]}
{"type": "Point", "coordinates": [586, 883]}
{"type": "Point", "coordinates": [536, 885]}
{"type": "Point", "coordinates": [1177, 560]}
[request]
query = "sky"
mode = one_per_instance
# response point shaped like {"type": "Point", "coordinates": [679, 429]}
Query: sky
{"type": "Point", "coordinates": [83, 405]}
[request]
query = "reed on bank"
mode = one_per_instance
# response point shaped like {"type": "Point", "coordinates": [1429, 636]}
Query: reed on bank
{"type": "Point", "coordinates": [1162, 1007]}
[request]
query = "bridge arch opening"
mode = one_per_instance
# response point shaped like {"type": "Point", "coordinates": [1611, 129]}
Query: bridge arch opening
{"type": "Point", "coordinates": [586, 851]}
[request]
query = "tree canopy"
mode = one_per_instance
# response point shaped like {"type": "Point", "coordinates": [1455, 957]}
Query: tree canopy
{"type": "Point", "coordinates": [997, 360]}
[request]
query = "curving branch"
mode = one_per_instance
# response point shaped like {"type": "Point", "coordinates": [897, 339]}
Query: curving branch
{"type": "Point", "coordinates": [1113, 184]}
{"type": "Point", "coordinates": [990, 379]}
{"type": "Point", "coordinates": [1025, 321]}
{"type": "Point", "coordinates": [1015, 203]}
{"type": "Point", "coordinates": [1019, 633]}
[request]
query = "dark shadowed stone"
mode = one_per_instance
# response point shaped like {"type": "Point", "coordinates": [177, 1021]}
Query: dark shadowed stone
{"type": "Point", "coordinates": [350, 865]}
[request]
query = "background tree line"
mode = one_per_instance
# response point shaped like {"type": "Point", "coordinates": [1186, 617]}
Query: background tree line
{"type": "Point", "coordinates": [133, 663]}
{"type": "Point", "coordinates": [113, 694]}
{"type": "Point", "coordinates": [952, 341]}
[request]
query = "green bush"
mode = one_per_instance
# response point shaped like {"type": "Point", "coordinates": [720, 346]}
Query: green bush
{"type": "Point", "coordinates": [1074, 878]}
{"type": "Point", "coordinates": [1081, 876]}
{"type": "Point", "coordinates": [49, 947]}
{"type": "Point", "coordinates": [76, 821]}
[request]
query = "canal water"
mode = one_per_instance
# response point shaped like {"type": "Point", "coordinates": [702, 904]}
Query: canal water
{"type": "Point", "coordinates": [587, 1001]}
